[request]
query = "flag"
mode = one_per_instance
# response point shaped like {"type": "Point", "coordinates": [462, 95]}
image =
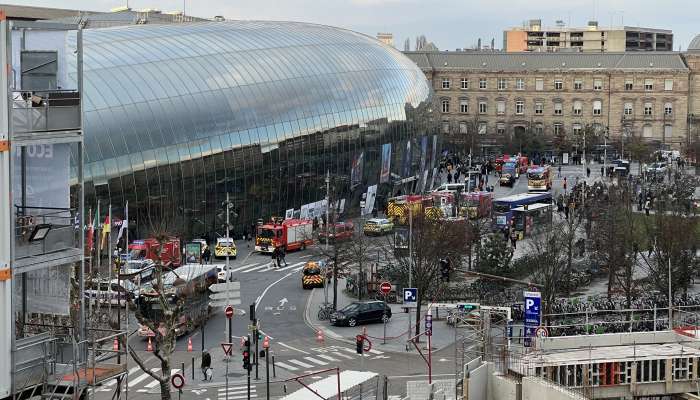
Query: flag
{"type": "Point", "coordinates": [106, 229]}
{"type": "Point", "coordinates": [125, 222]}
{"type": "Point", "coordinates": [91, 233]}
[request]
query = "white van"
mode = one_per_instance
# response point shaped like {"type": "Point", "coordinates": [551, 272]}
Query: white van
{"type": "Point", "coordinates": [452, 187]}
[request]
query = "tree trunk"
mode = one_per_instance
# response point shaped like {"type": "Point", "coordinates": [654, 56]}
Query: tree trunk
{"type": "Point", "coordinates": [165, 389]}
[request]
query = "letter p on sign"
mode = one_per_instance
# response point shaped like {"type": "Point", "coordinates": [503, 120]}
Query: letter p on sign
{"type": "Point", "coordinates": [410, 297]}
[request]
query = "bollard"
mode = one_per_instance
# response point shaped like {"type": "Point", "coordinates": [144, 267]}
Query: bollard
{"type": "Point", "coordinates": [274, 371]}
{"type": "Point", "coordinates": [182, 371]}
{"type": "Point", "coordinates": [192, 369]}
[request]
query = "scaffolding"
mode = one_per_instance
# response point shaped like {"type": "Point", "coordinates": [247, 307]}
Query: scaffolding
{"type": "Point", "coordinates": [52, 352]}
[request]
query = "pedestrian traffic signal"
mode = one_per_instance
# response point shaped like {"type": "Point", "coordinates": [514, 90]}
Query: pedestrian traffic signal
{"type": "Point", "coordinates": [359, 344]}
{"type": "Point", "coordinates": [246, 355]}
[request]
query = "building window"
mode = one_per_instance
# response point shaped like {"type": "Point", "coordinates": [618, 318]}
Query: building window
{"type": "Point", "coordinates": [629, 84]}
{"type": "Point", "coordinates": [578, 84]}
{"type": "Point", "coordinates": [597, 84]}
{"type": "Point", "coordinates": [668, 131]}
{"type": "Point", "coordinates": [668, 84]}
{"type": "Point", "coordinates": [519, 83]}
{"type": "Point", "coordinates": [539, 107]}
{"type": "Point", "coordinates": [648, 85]}
{"type": "Point", "coordinates": [482, 83]}
{"type": "Point", "coordinates": [520, 107]}
{"type": "Point", "coordinates": [482, 107]}
{"type": "Point", "coordinates": [558, 107]}
{"type": "Point", "coordinates": [558, 84]}
{"type": "Point", "coordinates": [668, 109]}
{"type": "Point", "coordinates": [501, 128]}
{"type": "Point", "coordinates": [482, 128]}
{"type": "Point", "coordinates": [647, 131]}
{"type": "Point", "coordinates": [500, 107]}
{"type": "Point", "coordinates": [463, 106]}
{"type": "Point", "coordinates": [628, 109]}
{"type": "Point", "coordinates": [558, 129]}
{"type": "Point", "coordinates": [465, 83]}
{"type": "Point", "coordinates": [445, 127]}
{"type": "Point", "coordinates": [597, 107]}
{"type": "Point", "coordinates": [539, 84]}
{"type": "Point", "coordinates": [445, 83]}
{"type": "Point", "coordinates": [502, 84]}
{"type": "Point", "coordinates": [463, 127]}
{"type": "Point", "coordinates": [445, 105]}
{"type": "Point", "coordinates": [539, 129]}
{"type": "Point", "coordinates": [578, 107]}
{"type": "Point", "coordinates": [648, 109]}
{"type": "Point", "coordinates": [576, 129]}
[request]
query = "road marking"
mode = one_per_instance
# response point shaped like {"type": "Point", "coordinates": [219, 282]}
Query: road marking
{"type": "Point", "coordinates": [243, 395]}
{"type": "Point", "coordinates": [141, 377]}
{"type": "Point", "coordinates": [313, 360]}
{"type": "Point", "coordinates": [293, 348]}
{"type": "Point", "coordinates": [373, 351]}
{"type": "Point", "coordinates": [329, 358]}
{"type": "Point", "coordinates": [337, 353]}
{"type": "Point", "coordinates": [156, 383]}
{"type": "Point", "coordinates": [306, 256]}
{"type": "Point", "coordinates": [291, 266]}
{"type": "Point", "coordinates": [259, 299]}
{"type": "Point", "coordinates": [114, 381]}
{"type": "Point", "coordinates": [235, 388]}
{"type": "Point", "coordinates": [243, 267]}
{"type": "Point", "coordinates": [298, 269]}
{"type": "Point", "coordinates": [285, 366]}
{"type": "Point", "coordinates": [255, 269]}
{"type": "Point", "coordinates": [300, 363]}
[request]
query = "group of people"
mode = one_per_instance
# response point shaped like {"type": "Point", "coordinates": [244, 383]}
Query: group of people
{"type": "Point", "coordinates": [278, 255]}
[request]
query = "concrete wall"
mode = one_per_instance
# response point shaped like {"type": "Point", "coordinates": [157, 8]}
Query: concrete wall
{"type": "Point", "coordinates": [539, 389]}
{"type": "Point", "coordinates": [477, 383]}
{"type": "Point", "coordinates": [611, 339]}
{"type": "Point", "coordinates": [503, 388]}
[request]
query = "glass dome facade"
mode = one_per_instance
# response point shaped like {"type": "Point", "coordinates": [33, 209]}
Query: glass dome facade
{"type": "Point", "coordinates": [176, 116]}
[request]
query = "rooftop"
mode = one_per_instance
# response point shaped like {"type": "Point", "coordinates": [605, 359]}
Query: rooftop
{"type": "Point", "coordinates": [610, 353]}
{"type": "Point", "coordinates": [13, 11]}
{"type": "Point", "coordinates": [529, 61]}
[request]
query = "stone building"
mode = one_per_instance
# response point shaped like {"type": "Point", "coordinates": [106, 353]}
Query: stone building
{"type": "Point", "coordinates": [548, 95]}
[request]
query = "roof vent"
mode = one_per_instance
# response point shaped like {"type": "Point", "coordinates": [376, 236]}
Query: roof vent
{"type": "Point", "coordinates": [599, 64]}
{"type": "Point", "coordinates": [563, 64]}
{"type": "Point", "coordinates": [522, 63]}
{"type": "Point", "coordinates": [651, 64]}
{"type": "Point", "coordinates": [483, 64]}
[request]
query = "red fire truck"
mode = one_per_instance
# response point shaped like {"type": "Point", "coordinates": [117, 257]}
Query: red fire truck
{"type": "Point", "coordinates": [291, 234]}
{"type": "Point", "coordinates": [148, 249]}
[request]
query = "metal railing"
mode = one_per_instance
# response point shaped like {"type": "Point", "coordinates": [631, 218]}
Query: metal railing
{"type": "Point", "coordinates": [45, 110]}
{"type": "Point", "coordinates": [62, 235]}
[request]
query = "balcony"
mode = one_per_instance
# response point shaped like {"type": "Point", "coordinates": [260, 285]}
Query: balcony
{"type": "Point", "coordinates": [45, 111]}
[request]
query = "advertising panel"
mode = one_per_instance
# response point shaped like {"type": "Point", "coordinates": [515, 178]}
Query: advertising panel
{"type": "Point", "coordinates": [385, 172]}
{"type": "Point", "coordinates": [423, 152]}
{"type": "Point", "coordinates": [406, 167]}
{"type": "Point", "coordinates": [369, 200]}
{"type": "Point", "coordinates": [356, 170]}
{"type": "Point", "coordinates": [193, 253]}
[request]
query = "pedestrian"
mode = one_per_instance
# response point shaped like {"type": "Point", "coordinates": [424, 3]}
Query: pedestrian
{"type": "Point", "coordinates": [602, 172]}
{"type": "Point", "coordinates": [206, 255]}
{"type": "Point", "coordinates": [449, 177]}
{"type": "Point", "coordinates": [647, 206]}
{"type": "Point", "coordinates": [564, 184]}
{"type": "Point", "coordinates": [559, 172]}
{"type": "Point", "coordinates": [275, 257]}
{"type": "Point", "coordinates": [282, 254]}
{"type": "Point", "coordinates": [206, 366]}
{"type": "Point", "coordinates": [513, 238]}
{"type": "Point", "coordinates": [588, 172]}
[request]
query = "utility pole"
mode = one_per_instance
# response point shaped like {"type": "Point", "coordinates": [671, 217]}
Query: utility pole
{"type": "Point", "coordinates": [328, 231]}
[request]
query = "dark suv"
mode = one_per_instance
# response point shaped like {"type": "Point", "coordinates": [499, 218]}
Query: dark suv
{"type": "Point", "coordinates": [361, 312]}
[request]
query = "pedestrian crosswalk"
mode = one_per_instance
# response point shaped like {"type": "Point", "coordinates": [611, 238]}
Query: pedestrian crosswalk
{"type": "Point", "coordinates": [267, 267]}
{"type": "Point", "coordinates": [321, 357]}
{"type": "Point", "coordinates": [236, 392]}
{"type": "Point", "coordinates": [138, 381]}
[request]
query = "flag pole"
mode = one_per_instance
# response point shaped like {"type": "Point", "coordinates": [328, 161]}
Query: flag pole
{"type": "Point", "coordinates": [109, 260]}
{"type": "Point", "coordinates": [98, 246]}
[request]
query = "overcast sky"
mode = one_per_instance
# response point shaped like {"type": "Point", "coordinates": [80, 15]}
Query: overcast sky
{"type": "Point", "coordinates": [449, 24]}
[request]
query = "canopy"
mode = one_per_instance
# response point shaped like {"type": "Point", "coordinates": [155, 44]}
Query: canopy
{"type": "Point", "coordinates": [328, 387]}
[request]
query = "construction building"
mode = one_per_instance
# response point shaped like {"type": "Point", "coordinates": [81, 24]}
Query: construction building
{"type": "Point", "coordinates": [591, 38]}
{"type": "Point", "coordinates": [47, 347]}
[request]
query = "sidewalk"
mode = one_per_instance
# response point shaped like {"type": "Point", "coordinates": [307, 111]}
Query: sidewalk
{"type": "Point", "coordinates": [396, 328]}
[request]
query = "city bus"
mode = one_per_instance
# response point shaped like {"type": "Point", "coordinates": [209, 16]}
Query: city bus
{"type": "Point", "coordinates": [186, 286]}
{"type": "Point", "coordinates": [530, 219]}
{"type": "Point", "coordinates": [503, 207]}
{"type": "Point", "coordinates": [539, 178]}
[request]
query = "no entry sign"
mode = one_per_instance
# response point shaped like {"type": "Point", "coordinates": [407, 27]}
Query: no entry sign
{"type": "Point", "coordinates": [229, 312]}
{"type": "Point", "coordinates": [385, 288]}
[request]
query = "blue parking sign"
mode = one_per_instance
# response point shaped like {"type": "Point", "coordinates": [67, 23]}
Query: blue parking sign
{"type": "Point", "coordinates": [533, 314]}
{"type": "Point", "coordinates": [410, 297]}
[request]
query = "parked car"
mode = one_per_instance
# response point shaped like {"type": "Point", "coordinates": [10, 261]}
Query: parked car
{"type": "Point", "coordinates": [340, 231]}
{"type": "Point", "coordinates": [115, 292]}
{"type": "Point", "coordinates": [361, 312]}
{"type": "Point", "coordinates": [378, 226]}
{"type": "Point", "coordinates": [657, 168]}
{"type": "Point", "coordinates": [506, 180]}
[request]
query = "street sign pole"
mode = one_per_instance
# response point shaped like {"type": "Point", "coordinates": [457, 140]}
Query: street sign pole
{"type": "Point", "coordinates": [429, 333]}
{"type": "Point", "coordinates": [227, 363]}
{"type": "Point", "coordinates": [228, 271]}
{"type": "Point", "coordinates": [384, 338]}
{"type": "Point", "coordinates": [229, 316]}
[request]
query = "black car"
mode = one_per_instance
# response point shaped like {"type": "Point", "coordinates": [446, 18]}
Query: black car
{"type": "Point", "coordinates": [361, 312]}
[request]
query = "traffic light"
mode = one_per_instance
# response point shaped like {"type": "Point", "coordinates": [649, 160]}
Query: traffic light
{"type": "Point", "coordinates": [445, 269]}
{"type": "Point", "coordinates": [359, 344]}
{"type": "Point", "coordinates": [246, 354]}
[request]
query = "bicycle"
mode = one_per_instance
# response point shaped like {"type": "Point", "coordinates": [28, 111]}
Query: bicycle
{"type": "Point", "coordinates": [325, 311]}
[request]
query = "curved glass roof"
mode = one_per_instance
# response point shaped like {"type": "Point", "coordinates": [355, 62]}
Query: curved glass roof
{"type": "Point", "coordinates": [149, 90]}
{"type": "Point", "coordinates": [694, 44]}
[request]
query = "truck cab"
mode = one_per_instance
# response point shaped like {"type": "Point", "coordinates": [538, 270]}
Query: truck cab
{"type": "Point", "coordinates": [147, 249]}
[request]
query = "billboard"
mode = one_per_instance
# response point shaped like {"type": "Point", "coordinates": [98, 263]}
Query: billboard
{"type": "Point", "coordinates": [193, 253]}
{"type": "Point", "coordinates": [406, 166]}
{"type": "Point", "coordinates": [385, 172]}
{"type": "Point", "coordinates": [423, 152]}
{"type": "Point", "coordinates": [369, 200]}
{"type": "Point", "coordinates": [356, 170]}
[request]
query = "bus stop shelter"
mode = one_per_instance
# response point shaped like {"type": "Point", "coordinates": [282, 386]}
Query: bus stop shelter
{"type": "Point", "coordinates": [354, 385]}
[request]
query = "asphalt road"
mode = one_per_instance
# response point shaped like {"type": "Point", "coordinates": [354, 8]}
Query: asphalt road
{"type": "Point", "coordinates": [281, 304]}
